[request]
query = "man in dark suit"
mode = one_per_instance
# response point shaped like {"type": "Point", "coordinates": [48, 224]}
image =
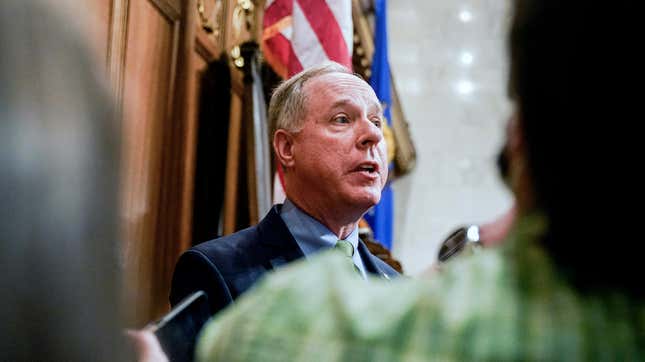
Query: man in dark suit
{"type": "Point", "coordinates": [328, 137]}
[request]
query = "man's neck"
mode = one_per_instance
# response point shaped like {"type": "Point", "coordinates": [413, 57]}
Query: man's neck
{"type": "Point", "coordinates": [335, 222]}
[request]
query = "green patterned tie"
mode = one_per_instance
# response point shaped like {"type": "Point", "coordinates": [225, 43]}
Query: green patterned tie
{"type": "Point", "coordinates": [347, 249]}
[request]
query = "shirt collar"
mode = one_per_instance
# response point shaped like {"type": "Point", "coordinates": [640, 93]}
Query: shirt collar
{"type": "Point", "coordinates": [309, 233]}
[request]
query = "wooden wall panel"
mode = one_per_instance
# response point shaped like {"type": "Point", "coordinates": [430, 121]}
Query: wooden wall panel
{"type": "Point", "coordinates": [233, 165]}
{"type": "Point", "coordinates": [155, 51]}
{"type": "Point", "coordinates": [148, 90]}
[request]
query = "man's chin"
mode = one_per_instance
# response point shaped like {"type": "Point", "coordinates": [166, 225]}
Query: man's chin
{"type": "Point", "coordinates": [366, 200]}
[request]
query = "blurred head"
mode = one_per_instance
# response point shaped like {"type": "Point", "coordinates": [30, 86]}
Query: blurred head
{"type": "Point", "coordinates": [572, 77]}
{"type": "Point", "coordinates": [59, 152]}
{"type": "Point", "coordinates": [329, 139]}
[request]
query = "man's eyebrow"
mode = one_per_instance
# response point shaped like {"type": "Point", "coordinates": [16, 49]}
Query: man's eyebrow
{"type": "Point", "coordinates": [374, 108]}
{"type": "Point", "coordinates": [377, 107]}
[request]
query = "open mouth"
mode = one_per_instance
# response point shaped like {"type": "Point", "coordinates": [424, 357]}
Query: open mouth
{"type": "Point", "coordinates": [368, 167]}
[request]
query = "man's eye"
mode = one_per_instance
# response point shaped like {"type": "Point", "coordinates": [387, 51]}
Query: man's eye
{"type": "Point", "coordinates": [341, 119]}
{"type": "Point", "coordinates": [377, 122]}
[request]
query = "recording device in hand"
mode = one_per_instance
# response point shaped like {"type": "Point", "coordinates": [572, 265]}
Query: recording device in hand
{"type": "Point", "coordinates": [464, 238]}
{"type": "Point", "coordinates": [177, 331]}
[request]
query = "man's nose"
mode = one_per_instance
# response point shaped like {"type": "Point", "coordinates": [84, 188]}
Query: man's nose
{"type": "Point", "coordinates": [369, 133]}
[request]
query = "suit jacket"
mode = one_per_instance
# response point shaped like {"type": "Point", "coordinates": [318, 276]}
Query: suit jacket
{"type": "Point", "coordinates": [226, 267]}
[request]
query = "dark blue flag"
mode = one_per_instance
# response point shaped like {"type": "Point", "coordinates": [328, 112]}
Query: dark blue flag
{"type": "Point", "coordinates": [381, 216]}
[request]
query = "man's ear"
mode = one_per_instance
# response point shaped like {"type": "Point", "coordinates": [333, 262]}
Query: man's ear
{"type": "Point", "coordinates": [283, 144]}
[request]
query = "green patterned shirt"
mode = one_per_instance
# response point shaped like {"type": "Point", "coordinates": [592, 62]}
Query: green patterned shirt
{"type": "Point", "coordinates": [504, 304]}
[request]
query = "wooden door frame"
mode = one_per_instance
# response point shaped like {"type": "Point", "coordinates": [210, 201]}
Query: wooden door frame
{"type": "Point", "coordinates": [171, 229]}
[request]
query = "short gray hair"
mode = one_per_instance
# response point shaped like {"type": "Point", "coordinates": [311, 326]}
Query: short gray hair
{"type": "Point", "coordinates": [287, 106]}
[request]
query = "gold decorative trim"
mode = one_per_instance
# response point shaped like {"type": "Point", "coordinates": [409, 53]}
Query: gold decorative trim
{"type": "Point", "coordinates": [238, 60]}
{"type": "Point", "coordinates": [243, 17]}
{"type": "Point", "coordinates": [210, 23]}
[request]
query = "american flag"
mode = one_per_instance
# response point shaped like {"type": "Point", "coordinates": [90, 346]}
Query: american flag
{"type": "Point", "coordinates": [299, 34]}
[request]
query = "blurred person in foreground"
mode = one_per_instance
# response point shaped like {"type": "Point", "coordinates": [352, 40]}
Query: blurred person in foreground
{"type": "Point", "coordinates": [564, 286]}
{"type": "Point", "coordinates": [59, 279]}
{"type": "Point", "coordinates": [328, 136]}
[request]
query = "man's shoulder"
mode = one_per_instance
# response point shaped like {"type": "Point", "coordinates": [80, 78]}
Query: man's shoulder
{"type": "Point", "coordinates": [228, 243]}
{"type": "Point", "coordinates": [250, 245]}
{"type": "Point", "coordinates": [231, 252]}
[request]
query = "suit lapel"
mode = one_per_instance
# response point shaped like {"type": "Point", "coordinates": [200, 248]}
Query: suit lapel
{"type": "Point", "coordinates": [368, 262]}
{"type": "Point", "coordinates": [281, 247]}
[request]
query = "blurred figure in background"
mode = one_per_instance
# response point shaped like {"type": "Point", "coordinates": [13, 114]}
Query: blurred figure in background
{"type": "Point", "coordinates": [471, 237]}
{"type": "Point", "coordinates": [488, 234]}
{"type": "Point", "coordinates": [60, 280]}
{"type": "Point", "coordinates": [564, 285]}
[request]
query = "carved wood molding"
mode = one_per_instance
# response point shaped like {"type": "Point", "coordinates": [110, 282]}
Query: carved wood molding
{"type": "Point", "coordinates": [170, 8]}
{"type": "Point", "coordinates": [117, 38]}
{"type": "Point", "coordinates": [363, 43]}
{"type": "Point", "coordinates": [211, 24]}
{"type": "Point", "coordinates": [232, 165]}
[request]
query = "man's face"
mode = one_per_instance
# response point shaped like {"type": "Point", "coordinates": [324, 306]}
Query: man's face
{"type": "Point", "coordinates": [340, 153]}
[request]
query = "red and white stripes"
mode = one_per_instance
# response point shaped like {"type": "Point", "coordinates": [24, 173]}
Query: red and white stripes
{"type": "Point", "coordinates": [299, 34]}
